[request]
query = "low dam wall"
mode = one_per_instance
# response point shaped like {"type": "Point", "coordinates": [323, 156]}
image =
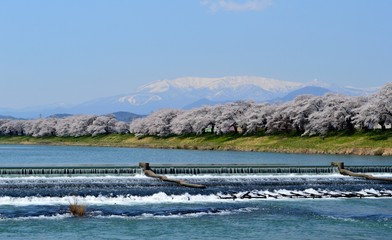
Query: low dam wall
{"type": "Point", "coordinates": [241, 169]}
{"type": "Point", "coordinates": [70, 170]}
{"type": "Point", "coordinates": [215, 169]}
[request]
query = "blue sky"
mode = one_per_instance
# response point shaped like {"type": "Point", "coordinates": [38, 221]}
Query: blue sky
{"type": "Point", "coordinates": [70, 51]}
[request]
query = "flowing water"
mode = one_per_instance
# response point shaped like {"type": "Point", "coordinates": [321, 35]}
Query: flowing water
{"type": "Point", "coordinates": [267, 205]}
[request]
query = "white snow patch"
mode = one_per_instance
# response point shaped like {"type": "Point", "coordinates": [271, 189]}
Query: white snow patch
{"type": "Point", "coordinates": [139, 99]}
{"type": "Point", "coordinates": [189, 83]}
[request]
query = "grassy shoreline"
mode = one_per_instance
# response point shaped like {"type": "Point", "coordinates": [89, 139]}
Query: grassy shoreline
{"type": "Point", "coordinates": [358, 143]}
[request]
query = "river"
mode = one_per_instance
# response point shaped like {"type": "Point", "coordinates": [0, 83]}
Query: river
{"type": "Point", "coordinates": [132, 206]}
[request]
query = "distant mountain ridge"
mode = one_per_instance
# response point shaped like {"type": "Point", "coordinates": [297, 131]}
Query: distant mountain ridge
{"type": "Point", "coordinates": [59, 115]}
{"type": "Point", "coordinates": [317, 91]}
{"type": "Point", "coordinates": [126, 116]}
{"type": "Point", "coordinates": [190, 92]}
{"type": "Point", "coordinates": [7, 117]}
{"type": "Point", "coordinates": [119, 116]}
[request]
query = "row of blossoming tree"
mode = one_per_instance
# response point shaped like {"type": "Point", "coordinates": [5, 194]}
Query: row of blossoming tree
{"type": "Point", "coordinates": [75, 126]}
{"type": "Point", "coordinates": [307, 114]}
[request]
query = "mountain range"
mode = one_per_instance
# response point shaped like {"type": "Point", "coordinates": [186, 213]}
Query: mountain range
{"type": "Point", "coordinates": [190, 92]}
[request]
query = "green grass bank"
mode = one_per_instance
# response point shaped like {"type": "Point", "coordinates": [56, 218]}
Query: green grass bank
{"type": "Point", "coordinates": [357, 143]}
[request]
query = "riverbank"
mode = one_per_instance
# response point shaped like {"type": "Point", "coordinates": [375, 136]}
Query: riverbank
{"type": "Point", "coordinates": [359, 143]}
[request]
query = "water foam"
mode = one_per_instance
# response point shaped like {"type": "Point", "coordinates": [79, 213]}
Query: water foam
{"type": "Point", "coordinates": [186, 198]}
{"type": "Point", "coordinates": [221, 212]}
{"type": "Point", "coordinates": [159, 197]}
{"type": "Point", "coordinates": [40, 217]}
{"type": "Point", "coordinates": [61, 178]}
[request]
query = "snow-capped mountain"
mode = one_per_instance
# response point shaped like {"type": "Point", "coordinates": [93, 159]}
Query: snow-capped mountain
{"type": "Point", "coordinates": [181, 92]}
{"type": "Point", "coordinates": [189, 92]}
{"type": "Point", "coordinates": [213, 84]}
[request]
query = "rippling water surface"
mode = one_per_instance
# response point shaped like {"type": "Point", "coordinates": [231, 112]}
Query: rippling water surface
{"type": "Point", "coordinates": [323, 206]}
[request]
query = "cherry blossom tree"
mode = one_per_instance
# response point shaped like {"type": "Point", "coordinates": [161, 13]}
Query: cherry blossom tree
{"type": "Point", "coordinates": [336, 113]}
{"type": "Point", "coordinates": [12, 127]}
{"type": "Point", "coordinates": [377, 111]}
{"type": "Point", "coordinates": [157, 123]}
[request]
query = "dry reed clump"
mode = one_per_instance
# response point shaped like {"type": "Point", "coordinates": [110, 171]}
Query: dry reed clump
{"type": "Point", "coordinates": [77, 209]}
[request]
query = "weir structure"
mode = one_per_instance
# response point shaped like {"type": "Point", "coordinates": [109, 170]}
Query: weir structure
{"type": "Point", "coordinates": [69, 170]}
{"type": "Point", "coordinates": [214, 169]}
{"type": "Point", "coordinates": [188, 169]}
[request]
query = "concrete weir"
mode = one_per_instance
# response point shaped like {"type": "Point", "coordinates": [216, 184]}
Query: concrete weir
{"type": "Point", "coordinates": [69, 170]}
{"type": "Point", "coordinates": [190, 169]}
